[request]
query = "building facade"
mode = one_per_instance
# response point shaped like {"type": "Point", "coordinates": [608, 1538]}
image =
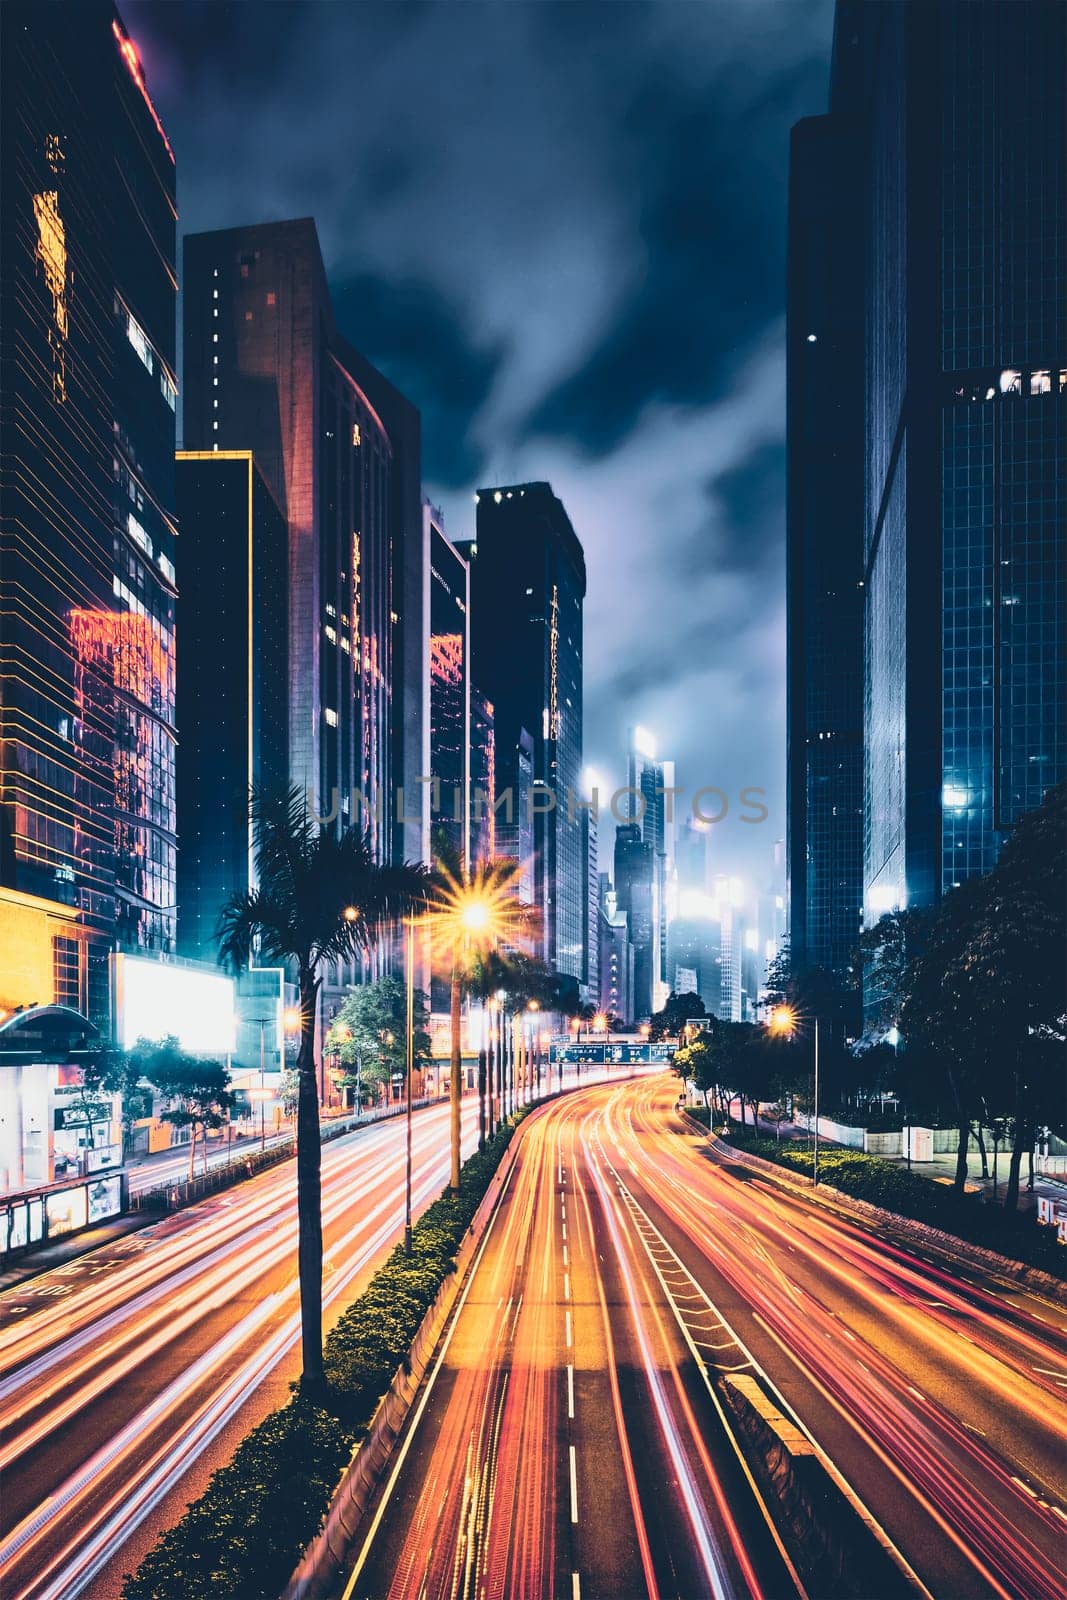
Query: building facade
{"type": "Point", "coordinates": [634, 877]}
{"type": "Point", "coordinates": [448, 687]}
{"type": "Point", "coordinates": [87, 525]}
{"type": "Point", "coordinates": [234, 622]}
{"type": "Point", "coordinates": [825, 578]}
{"type": "Point", "coordinates": [267, 370]}
{"type": "Point", "coordinates": [527, 591]}
{"type": "Point", "coordinates": [960, 112]}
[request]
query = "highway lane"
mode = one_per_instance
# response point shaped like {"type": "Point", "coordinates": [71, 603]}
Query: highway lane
{"type": "Point", "coordinates": [565, 1444]}
{"type": "Point", "coordinates": [935, 1385]}
{"type": "Point", "coordinates": [128, 1373]}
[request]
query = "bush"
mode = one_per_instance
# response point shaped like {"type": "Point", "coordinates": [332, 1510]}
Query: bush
{"type": "Point", "coordinates": [882, 1183]}
{"type": "Point", "coordinates": [245, 1534]}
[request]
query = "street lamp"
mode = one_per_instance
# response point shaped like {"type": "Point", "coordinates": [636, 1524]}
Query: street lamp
{"type": "Point", "coordinates": [784, 1020]}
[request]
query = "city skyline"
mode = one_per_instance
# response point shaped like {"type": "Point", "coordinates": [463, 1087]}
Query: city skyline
{"type": "Point", "coordinates": [520, 351]}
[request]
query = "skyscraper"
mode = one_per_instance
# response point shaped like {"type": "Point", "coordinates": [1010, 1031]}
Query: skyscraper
{"type": "Point", "coordinates": [824, 345]}
{"type": "Point", "coordinates": [527, 589]}
{"type": "Point", "coordinates": [233, 681]}
{"type": "Point", "coordinates": [961, 203]}
{"type": "Point", "coordinates": [87, 401]}
{"type": "Point", "coordinates": [651, 800]}
{"type": "Point", "coordinates": [267, 370]}
{"type": "Point", "coordinates": [635, 895]}
{"type": "Point", "coordinates": [448, 687]}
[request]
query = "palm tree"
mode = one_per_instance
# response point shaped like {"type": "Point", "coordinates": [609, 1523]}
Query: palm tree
{"type": "Point", "coordinates": [320, 898]}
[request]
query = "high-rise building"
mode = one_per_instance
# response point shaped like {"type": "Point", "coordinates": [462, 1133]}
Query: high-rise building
{"type": "Point", "coordinates": [234, 622]}
{"type": "Point", "coordinates": [266, 369]}
{"type": "Point", "coordinates": [482, 777]}
{"type": "Point", "coordinates": [87, 531]}
{"type": "Point", "coordinates": [616, 956]}
{"type": "Point", "coordinates": [447, 709]}
{"type": "Point", "coordinates": [527, 589]}
{"type": "Point", "coordinates": [825, 578]}
{"type": "Point", "coordinates": [651, 805]}
{"type": "Point", "coordinates": [961, 206]}
{"type": "Point", "coordinates": [635, 893]}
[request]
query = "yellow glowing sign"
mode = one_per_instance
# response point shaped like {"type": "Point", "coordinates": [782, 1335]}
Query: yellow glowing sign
{"type": "Point", "coordinates": [52, 254]}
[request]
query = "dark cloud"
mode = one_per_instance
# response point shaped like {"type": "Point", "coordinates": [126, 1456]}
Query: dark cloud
{"type": "Point", "coordinates": [416, 336]}
{"type": "Point", "coordinates": [747, 502]}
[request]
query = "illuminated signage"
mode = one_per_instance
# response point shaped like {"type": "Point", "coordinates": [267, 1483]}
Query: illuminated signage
{"type": "Point", "coordinates": [154, 999]}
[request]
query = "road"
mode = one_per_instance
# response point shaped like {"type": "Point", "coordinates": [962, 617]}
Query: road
{"type": "Point", "coordinates": [566, 1445]}
{"type": "Point", "coordinates": [129, 1374]}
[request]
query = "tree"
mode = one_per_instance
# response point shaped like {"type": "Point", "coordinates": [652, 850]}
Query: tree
{"type": "Point", "coordinates": [369, 1033]}
{"type": "Point", "coordinates": [677, 1011]}
{"type": "Point", "coordinates": [321, 898]}
{"type": "Point", "coordinates": [197, 1089]}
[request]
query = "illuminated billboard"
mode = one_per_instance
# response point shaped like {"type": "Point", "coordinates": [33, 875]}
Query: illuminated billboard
{"type": "Point", "coordinates": [155, 998]}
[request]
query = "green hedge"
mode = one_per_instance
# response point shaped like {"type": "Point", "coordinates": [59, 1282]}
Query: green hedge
{"type": "Point", "coordinates": [245, 1534]}
{"type": "Point", "coordinates": [883, 1183]}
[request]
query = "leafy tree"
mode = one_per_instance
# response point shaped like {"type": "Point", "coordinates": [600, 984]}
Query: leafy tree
{"type": "Point", "coordinates": [197, 1089]}
{"type": "Point", "coordinates": [369, 1033]}
{"type": "Point", "coordinates": [321, 899]}
{"type": "Point", "coordinates": [677, 1011]}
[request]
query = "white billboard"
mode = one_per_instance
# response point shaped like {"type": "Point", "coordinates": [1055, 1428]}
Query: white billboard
{"type": "Point", "coordinates": [156, 998]}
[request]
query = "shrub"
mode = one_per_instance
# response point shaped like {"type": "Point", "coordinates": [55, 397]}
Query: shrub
{"type": "Point", "coordinates": [244, 1535]}
{"type": "Point", "coordinates": [894, 1188]}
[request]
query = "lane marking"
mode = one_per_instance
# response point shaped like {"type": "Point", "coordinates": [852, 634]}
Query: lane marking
{"type": "Point", "coordinates": [566, 1263]}
{"type": "Point", "coordinates": [568, 1316]}
{"type": "Point", "coordinates": [576, 1587]}
{"type": "Point", "coordinates": [570, 1390]}
{"type": "Point", "coordinates": [566, 1286]}
{"type": "Point", "coordinates": [574, 1486]}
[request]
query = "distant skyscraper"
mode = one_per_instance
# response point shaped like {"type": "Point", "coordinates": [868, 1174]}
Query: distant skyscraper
{"type": "Point", "coordinates": [87, 591]}
{"type": "Point", "coordinates": [448, 687]}
{"type": "Point", "coordinates": [652, 806]}
{"type": "Point", "coordinates": [616, 957]}
{"type": "Point", "coordinates": [527, 589]}
{"type": "Point", "coordinates": [635, 892]}
{"type": "Point", "coordinates": [267, 370]}
{"type": "Point", "coordinates": [483, 777]}
{"type": "Point", "coordinates": [234, 625]}
{"type": "Point", "coordinates": [824, 347]}
{"type": "Point", "coordinates": [959, 111]}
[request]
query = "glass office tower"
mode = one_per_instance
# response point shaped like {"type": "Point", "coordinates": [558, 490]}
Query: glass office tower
{"type": "Point", "coordinates": [961, 112]}
{"type": "Point", "coordinates": [527, 590]}
{"type": "Point", "coordinates": [87, 528]}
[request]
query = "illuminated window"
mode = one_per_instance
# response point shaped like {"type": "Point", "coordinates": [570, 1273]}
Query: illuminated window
{"type": "Point", "coordinates": [330, 716]}
{"type": "Point", "coordinates": [215, 403]}
{"type": "Point", "coordinates": [331, 611]}
{"type": "Point", "coordinates": [215, 340]}
{"type": "Point", "coordinates": [331, 634]}
{"type": "Point", "coordinates": [166, 567]}
{"type": "Point", "coordinates": [138, 534]}
{"type": "Point", "coordinates": [272, 298]}
{"type": "Point", "coordinates": [355, 434]}
{"type": "Point", "coordinates": [248, 316]}
{"type": "Point", "coordinates": [1011, 381]}
{"type": "Point", "coordinates": [215, 294]}
{"type": "Point", "coordinates": [215, 423]}
{"type": "Point", "coordinates": [215, 311]}
{"type": "Point", "coordinates": [1040, 383]}
{"type": "Point", "coordinates": [215, 380]}
{"type": "Point", "coordinates": [170, 393]}
{"type": "Point", "coordinates": [136, 335]}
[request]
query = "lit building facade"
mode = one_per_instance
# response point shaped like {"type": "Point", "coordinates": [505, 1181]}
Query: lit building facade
{"type": "Point", "coordinates": [527, 591]}
{"type": "Point", "coordinates": [267, 370]}
{"type": "Point", "coordinates": [825, 578]}
{"type": "Point", "coordinates": [447, 688]}
{"type": "Point", "coordinates": [87, 526]}
{"type": "Point", "coordinates": [234, 619]}
{"type": "Point", "coordinates": [634, 877]}
{"type": "Point", "coordinates": [482, 777]}
{"type": "Point", "coordinates": [616, 963]}
{"type": "Point", "coordinates": [960, 110]}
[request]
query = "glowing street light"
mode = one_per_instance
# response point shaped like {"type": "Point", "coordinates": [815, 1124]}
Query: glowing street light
{"type": "Point", "coordinates": [783, 1020]}
{"type": "Point", "coordinates": [600, 1023]}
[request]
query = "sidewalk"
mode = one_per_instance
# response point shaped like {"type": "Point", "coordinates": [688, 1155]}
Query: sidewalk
{"type": "Point", "coordinates": [61, 1251]}
{"type": "Point", "coordinates": [941, 1169]}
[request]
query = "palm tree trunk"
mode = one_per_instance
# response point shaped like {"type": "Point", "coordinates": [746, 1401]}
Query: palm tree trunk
{"type": "Point", "coordinates": [455, 1077]}
{"type": "Point", "coordinates": [482, 1078]}
{"type": "Point", "coordinates": [490, 1075]}
{"type": "Point", "coordinates": [309, 1193]}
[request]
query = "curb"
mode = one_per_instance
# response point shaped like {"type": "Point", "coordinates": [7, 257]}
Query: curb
{"type": "Point", "coordinates": [1018, 1272]}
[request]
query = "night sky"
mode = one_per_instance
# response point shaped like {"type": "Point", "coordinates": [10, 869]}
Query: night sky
{"type": "Point", "coordinates": [560, 228]}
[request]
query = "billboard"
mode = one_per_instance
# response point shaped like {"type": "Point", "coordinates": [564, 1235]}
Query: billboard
{"type": "Point", "coordinates": [155, 998]}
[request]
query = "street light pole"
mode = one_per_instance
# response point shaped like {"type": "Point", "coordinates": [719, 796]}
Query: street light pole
{"type": "Point", "coordinates": [815, 1164]}
{"type": "Point", "coordinates": [410, 1063]}
{"type": "Point", "coordinates": [262, 1089]}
